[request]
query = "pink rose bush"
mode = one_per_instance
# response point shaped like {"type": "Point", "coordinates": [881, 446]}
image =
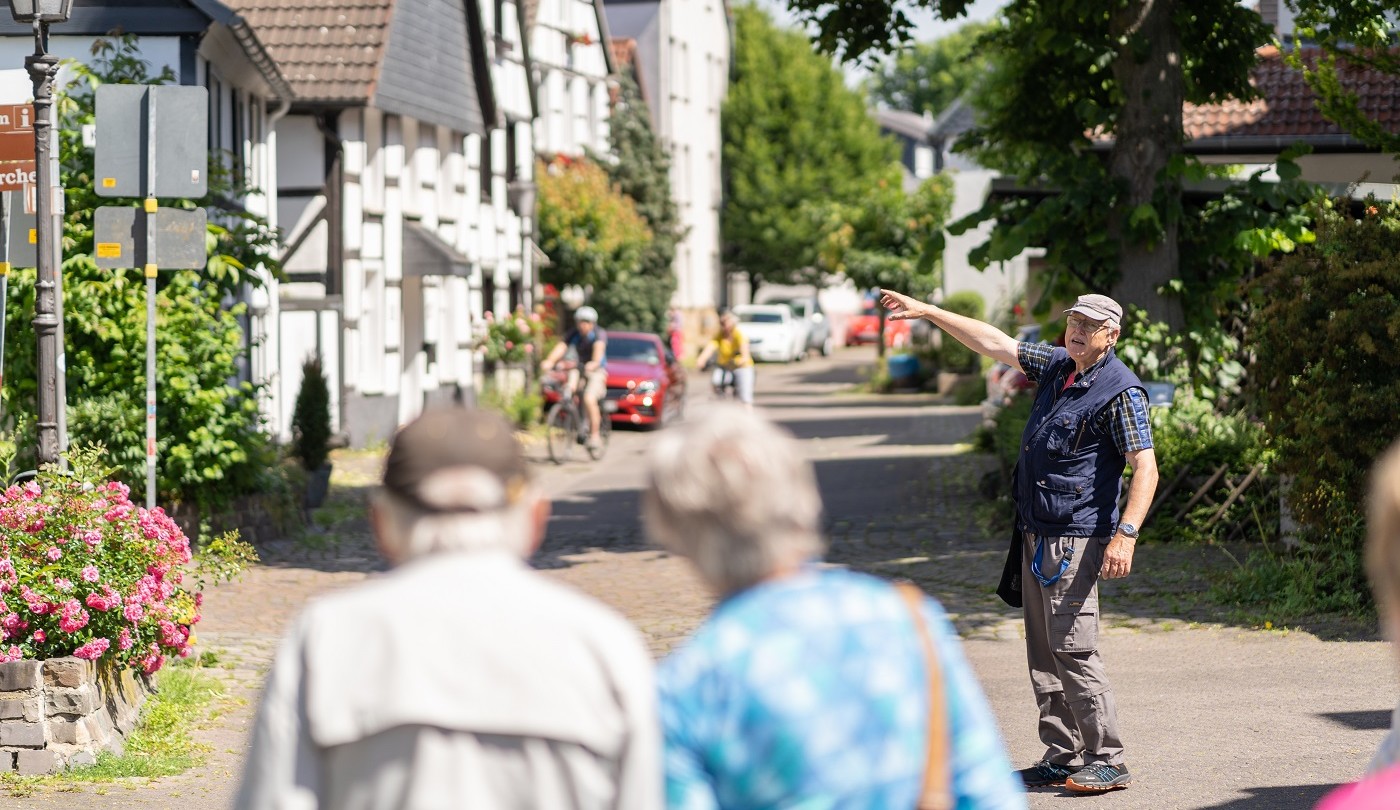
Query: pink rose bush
{"type": "Point", "coordinates": [86, 572]}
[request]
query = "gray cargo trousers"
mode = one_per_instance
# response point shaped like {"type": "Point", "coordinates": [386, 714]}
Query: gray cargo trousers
{"type": "Point", "coordinates": [1078, 716]}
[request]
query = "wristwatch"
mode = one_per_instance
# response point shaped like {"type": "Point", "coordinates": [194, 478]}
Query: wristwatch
{"type": "Point", "coordinates": [1128, 530]}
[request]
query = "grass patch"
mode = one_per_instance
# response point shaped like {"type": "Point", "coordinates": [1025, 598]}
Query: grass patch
{"type": "Point", "coordinates": [187, 698]}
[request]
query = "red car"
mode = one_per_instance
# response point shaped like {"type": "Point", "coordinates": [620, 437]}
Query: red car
{"type": "Point", "coordinates": [865, 328]}
{"type": "Point", "coordinates": [645, 380]}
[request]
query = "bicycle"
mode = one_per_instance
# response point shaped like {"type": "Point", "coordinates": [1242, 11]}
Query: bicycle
{"type": "Point", "coordinates": [726, 388]}
{"type": "Point", "coordinates": [566, 424]}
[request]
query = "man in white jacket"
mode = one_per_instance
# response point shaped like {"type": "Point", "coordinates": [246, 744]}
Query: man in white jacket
{"type": "Point", "coordinates": [461, 678]}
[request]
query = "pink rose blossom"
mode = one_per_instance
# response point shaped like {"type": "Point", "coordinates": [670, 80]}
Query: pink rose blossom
{"type": "Point", "coordinates": [63, 584]}
{"type": "Point", "coordinates": [133, 612]}
{"type": "Point", "coordinates": [90, 573]}
{"type": "Point", "coordinates": [73, 618]}
{"type": "Point", "coordinates": [13, 655]}
{"type": "Point", "coordinates": [124, 640]}
{"type": "Point", "coordinates": [98, 602]}
{"type": "Point", "coordinates": [93, 649]}
{"type": "Point", "coordinates": [40, 636]}
{"type": "Point", "coordinates": [53, 553]}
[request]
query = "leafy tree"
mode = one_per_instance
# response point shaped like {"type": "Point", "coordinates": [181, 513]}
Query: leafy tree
{"type": "Point", "coordinates": [931, 75]}
{"type": "Point", "coordinates": [211, 444]}
{"type": "Point", "coordinates": [640, 169]}
{"type": "Point", "coordinates": [1352, 34]}
{"type": "Point", "coordinates": [591, 231]}
{"type": "Point", "coordinates": [794, 135]}
{"type": "Point", "coordinates": [889, 238]}
{"type": "Point", "coordinates": [1067, 73]}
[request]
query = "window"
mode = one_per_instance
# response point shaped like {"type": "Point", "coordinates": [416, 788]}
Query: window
{"type": "Point", "coordinates": [512, 159]}
{"type": "Point", "coordinates": [486, 170]}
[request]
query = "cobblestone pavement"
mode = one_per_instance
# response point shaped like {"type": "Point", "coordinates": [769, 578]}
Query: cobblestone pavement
{"type": "Point", "coordinates": [1215, 716]}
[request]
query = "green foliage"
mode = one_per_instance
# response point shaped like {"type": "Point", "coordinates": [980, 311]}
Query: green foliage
{"type": "Point", "coordinates": [954, 355]}
{"type": "Point", "coordinates": [211, 447]}
{"type": "Point", "coordinates": [642, 171]}
{"type": "Point", "coordinates": [1002, 438]}
{"type": "Point", "coordinates": [1206, 363]}
{"type": "Point", "coordinates": [931, 75]}
{"type": "Point", "coordinates": [590, 230]}
{"type": "Point", "coordinates": [1191, 435]}
{"type": "Point", "coordinates": [1326, 338]}
{"type": "Point", "coordinates": [888, 238]}
{"type": "Point", "coordinates": [1324, 575]}
{"type": "Point", "coordinates": [311, 416]}
{"type": "Point", "coordinates": [640, 305]}
{"type": "Point", "coordinates": [522, 407]}
{"type": "Point", "coordinates": [794, 136]}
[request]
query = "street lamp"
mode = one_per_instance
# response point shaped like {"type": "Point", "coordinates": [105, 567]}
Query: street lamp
{"type": "Point", "coordinates": [48, 11]}
{"type": "Point", "coordinates": [43, 71]}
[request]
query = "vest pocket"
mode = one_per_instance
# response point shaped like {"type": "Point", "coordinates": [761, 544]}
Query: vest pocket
{"type": "Point", "coordinates": [1057, 496]}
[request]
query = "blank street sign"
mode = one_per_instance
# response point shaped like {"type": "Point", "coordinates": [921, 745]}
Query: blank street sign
{"type": "Point", "coordinates": [120, 237]}
{"type": "Point", "coordinates": [22, 239]}
{"type": "Point", "coordinates": [179, 141]}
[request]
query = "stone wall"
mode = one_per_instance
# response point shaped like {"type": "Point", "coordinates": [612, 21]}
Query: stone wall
{"type": "Point", "coordinates": [62, 712]}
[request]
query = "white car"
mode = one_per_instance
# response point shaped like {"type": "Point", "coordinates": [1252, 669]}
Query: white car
{"type": "Point", "coordinates": [775, 335]}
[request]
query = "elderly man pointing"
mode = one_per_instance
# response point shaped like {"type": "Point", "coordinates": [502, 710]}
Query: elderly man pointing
{"type": "Point", "coordinates": [1089, 421]}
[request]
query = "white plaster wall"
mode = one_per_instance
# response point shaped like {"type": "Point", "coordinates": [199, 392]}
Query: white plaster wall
{"type": "Point", "coordinates": [694, 77]}
{"type": "Point", "coordinates": [1001, 283]}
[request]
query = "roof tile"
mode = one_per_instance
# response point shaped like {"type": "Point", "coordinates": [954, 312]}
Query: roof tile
{"type": "Point", "coordinates": [1287, 106]}
{"type": "Point", "coordinates": [329, 50]}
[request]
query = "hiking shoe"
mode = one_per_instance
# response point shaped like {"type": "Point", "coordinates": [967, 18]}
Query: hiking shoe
{"type": "Point", "coordinates": [1044, 774]}
{"type": "Point", "coordinates": [594, 442]}
{"type": "Point", "coordinates": [1099, 778]}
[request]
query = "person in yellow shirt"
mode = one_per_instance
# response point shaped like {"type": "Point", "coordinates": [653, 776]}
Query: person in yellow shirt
{"type": "Point", "coordinates": [730, 350]}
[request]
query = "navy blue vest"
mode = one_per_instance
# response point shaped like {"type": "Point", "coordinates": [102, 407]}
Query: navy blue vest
{"type": "Point", "coordinates": [1070, 472]}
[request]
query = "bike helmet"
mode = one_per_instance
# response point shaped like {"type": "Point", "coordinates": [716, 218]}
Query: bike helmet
{"type": "Point", "coordinates": [586, 313]}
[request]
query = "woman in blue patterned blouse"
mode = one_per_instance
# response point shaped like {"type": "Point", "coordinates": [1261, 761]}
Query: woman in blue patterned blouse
{"type": "Point", "coordinates": [807, 686]}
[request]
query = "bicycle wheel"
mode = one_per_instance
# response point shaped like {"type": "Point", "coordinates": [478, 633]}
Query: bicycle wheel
{"type": "Point", "coordinates": [597, 451]}
{"type": "Point", "coordinates": [561, 432]}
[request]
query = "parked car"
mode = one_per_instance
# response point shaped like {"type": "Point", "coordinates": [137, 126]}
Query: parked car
{"type": "Point", "coordinates": [809, 311]}
{"type": "Point", "coordinates": [865, 328]}
{"type": "Point", "coordinates": [645, 380]}
{"type": "Point", "coordinates": [774, 333]}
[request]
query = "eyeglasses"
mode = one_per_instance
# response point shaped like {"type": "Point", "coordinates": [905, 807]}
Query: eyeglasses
{"type": "Point", "coordinates": [1085, 325]}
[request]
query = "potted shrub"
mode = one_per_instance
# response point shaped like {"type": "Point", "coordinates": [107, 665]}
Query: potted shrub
{"type": "Point", "coordinates": [311, 430]}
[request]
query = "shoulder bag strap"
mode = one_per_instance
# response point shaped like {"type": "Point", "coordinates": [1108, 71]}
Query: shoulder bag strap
{"type": "Point", "coordinates": [937, 791]}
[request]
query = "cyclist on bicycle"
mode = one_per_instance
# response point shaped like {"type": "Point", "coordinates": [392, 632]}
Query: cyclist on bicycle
{"type": "Point", "coordinates": [585, 340]}
{"type": "Point", "coordinates": [730, 349]}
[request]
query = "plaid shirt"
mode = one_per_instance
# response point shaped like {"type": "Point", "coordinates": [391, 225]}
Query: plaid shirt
{"type": "Point", "coordinates": [1127, 415]}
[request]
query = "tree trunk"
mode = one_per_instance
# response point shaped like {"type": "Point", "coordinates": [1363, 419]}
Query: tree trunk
{"type": "Point", "coordinates": [1149, 135]}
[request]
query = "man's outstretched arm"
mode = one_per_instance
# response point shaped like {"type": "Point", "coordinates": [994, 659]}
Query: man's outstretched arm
{"type": "Point", "coordinates": [979, 336]}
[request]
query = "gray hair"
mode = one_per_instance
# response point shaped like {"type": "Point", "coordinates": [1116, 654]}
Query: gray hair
{"type": "Point", "coordinates": [732, 493]}
{"type": "Point", "coordinates": [1383, 532]}
{"type": "Point", "coordinates": [408, 531]}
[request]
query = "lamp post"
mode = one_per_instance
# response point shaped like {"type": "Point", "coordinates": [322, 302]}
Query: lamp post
{"type": "Point", "coordinates": [43, 70]}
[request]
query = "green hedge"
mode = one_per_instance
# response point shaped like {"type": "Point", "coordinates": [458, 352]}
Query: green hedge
{"type": "Point", "coordinates": [954, 355]}
{"type": "Point", "coordinates": [1326, 335]}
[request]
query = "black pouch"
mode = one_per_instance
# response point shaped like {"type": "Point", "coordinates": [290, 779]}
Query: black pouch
{"type": "Point", "coordinates": [1009, 589]}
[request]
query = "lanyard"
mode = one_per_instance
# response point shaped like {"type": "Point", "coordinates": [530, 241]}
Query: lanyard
{"type": "Point", "coordinates": [1040, 555]}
